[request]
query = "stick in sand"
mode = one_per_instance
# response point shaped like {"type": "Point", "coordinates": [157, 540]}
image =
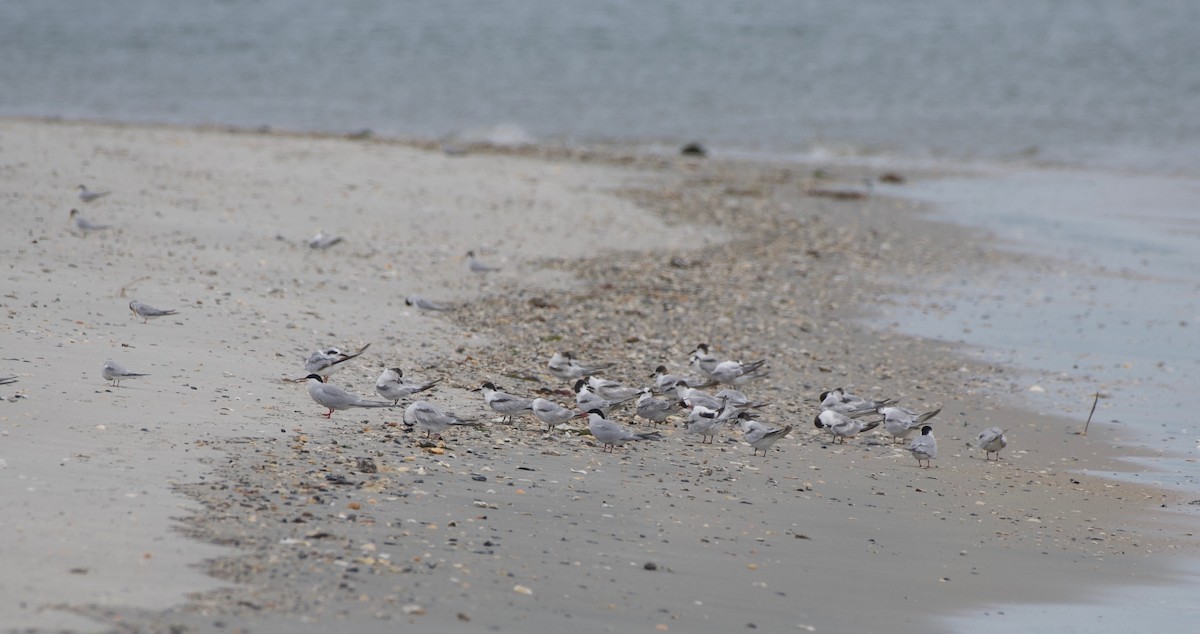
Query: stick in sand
{"type": "Point", "coordinates": [1089, 420]}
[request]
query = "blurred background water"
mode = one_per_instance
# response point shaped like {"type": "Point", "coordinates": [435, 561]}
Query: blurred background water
{"type": "Point", "coordinates": [1110, 83]}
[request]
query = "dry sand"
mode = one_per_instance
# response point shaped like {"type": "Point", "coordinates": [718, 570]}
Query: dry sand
{"type": "Point", "coordinates": [211, 494]}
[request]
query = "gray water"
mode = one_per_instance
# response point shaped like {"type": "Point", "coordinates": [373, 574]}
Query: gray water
{"type": "Point", "coordinates": [1084, 82]}
{"type": "Point", "coordinates": [1105, 91]}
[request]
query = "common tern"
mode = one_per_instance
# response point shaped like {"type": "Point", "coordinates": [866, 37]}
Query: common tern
{"type": "Point", "coordinates": [587, 400]}
{"type": "Point", "coordinates": [432, 420]}
{"type": "Point", "coordinates": [611, 390]}
{"type": "Point", "coordinates": [425, 304]}
{"type": "Point", "coordinates": [323, 241]}
{"type": "Point", "coordinates": [901, 423]}
{"type": "Point", "coordinates": [564, 366]}
{"type": "Point", "coordinates": [924, 447]}
{"type": "Point", "coordinates": [737, 401]}
{"type": "Point", "coordinates": [392, 385]}
{"type": "Point", "coordinates": [611, 434]}
{"type": "Point", "coordinates": [761, 436]}
{"type": "Point", "coordinates": [842, 402]}
{"type": "Point", "coordinates": [148, 312]}
{"type": "Point", "coordinates": [842, 426]}
{"type": "Point", "coordinates": [991, 441]}
{"type": "Point", "coordinates": [87, 195]}
{"type": "Point", "coordinates": [727, 371]}
{"type": "Point", "coordinates": [704, 422]}
{"type": "Point", "coordinates": [334, 397]}
{"type": "Point", "coordinates": [116, 372]}
{"type": "Point", "coordinates": [692, 397]}
{"type": "Point", "coordinates": [476, 266]}
{"type": "Point", "coordinates": [326, 362]}
{"type": "Point", "coordinates": [655, 409]}
{"type": "Point", "coordinates": [666, 382]}
{"type": "Point", "coordinates": [504, 403]}
{"type": "Point", "coordinates": [552, 413]}
{"type": "Point", "coordinates": [85, 225]}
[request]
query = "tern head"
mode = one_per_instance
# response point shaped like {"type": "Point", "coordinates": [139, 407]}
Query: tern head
{"type": "Point", "coordinates": [926, 430]}
{"type": "Point", "coordinates": [662, 369]}
{"type": "Point", "coordinates": [398, 372]}
{"type": "Point", "coordinates": [408, 301]}
{"type": "Point", "coordinates": [596, 412]}
{"type": "Point", "coordinates": [74, 212]}
{"type": "Point", "coordinates": [315, 376]}
{"type": "Point", "coordinates": [703, 347]}
{"type": "Point", "coordinates": [487, 385]}
{"type": "Point", "coordinates": [579, 385]}
{"type": "Point", "coordinates": [817, 422]}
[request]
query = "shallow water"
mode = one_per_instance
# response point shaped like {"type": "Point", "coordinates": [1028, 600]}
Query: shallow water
{"type": "Point", "coordinates": [1109, 82]}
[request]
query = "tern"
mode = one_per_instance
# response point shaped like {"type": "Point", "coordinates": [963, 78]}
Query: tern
{"type": "Point", "coordinates": [87, 195]}
{"type": "Point", "coordinates": [85, 225]}
{"type": "Point", "coordinates": [665, 382]}
{"type": "Point", "coordinates": [842, 402]}
{"type": "Point", "coordinates": [565, 367]}
{"type": "Point", "coordinates": [611, 390]}
{"type": "Point", "coordinates": [611, 434]}
{"type": "Point", "coordinates": [392, 385]}
{"type": "Point", "coordinates": [762, 437]}
{"type": "Point", "coordinates": [842, 426]}
{"type": "Point", "coordinates": [654, 409]}
{"type": "Point", "coordinates": [729, 371]}
{"type": "Point", "coordinates": [476, 266]}
{"type": "Point", "coordinates": [587, 400]}
{"type": "Point", "coordinates": [326, 362]}
{"type": "Point", "coordinates": [991, 441]}
{"type": "Point", "coordinates": [924, 447]}
{"type": "Point", "coordinates": [504, 403]}
{"type": "Point", "coordinates": [148, 312]}
{"type": "Point", "coordinates": [334, 397]}
{"type": "Point", "coordinates": [116, 372]}
{"type": "Point", "coordinates": [552, 413]}
{"type": "Point", "coordinates": [428, 417]}
{"type": "Point", "coordinates": [425, 304]}
{"type": "Point", "coordinates": [901, 423]}
{"type": "Point", "coordinates": [704, 422]}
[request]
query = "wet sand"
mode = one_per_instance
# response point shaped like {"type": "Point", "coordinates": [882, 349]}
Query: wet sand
{"type": "Point", "coordinates": [212, 494]}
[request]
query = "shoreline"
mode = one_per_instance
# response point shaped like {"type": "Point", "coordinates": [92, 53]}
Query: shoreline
{"type": "Point", "coordinates": [787, 285]}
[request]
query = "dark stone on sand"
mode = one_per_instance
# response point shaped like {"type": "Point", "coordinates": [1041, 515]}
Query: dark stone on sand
{"type": "Point", "coordinates": [694, 149]}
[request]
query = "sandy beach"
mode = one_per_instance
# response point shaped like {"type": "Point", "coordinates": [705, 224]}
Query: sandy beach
{"type": "Point", "coordinates": [213, 495]}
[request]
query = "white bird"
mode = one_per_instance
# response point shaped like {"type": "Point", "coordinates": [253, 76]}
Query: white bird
{"type": "Point", "coordinates": [737, 401]}
{"type": "Point", "coordinates": [924, 447]}
{"type": "Point", "coordinates": [87, 195]}
{"type": "Point", "coordinates": [425, 304]}
{"type": "Point", "coordinates": [565, 367]}
{"type": "Point", "coordinates": [85, 225]}
{"type": "Point", "coordinates": [992, 440]}
{"type": "Point", "coordinates": [391, 384]}
{"type": "Point", "coordinates": [587, 400]}
{"type": "Point", "coordinates": [326, 362]}
{"type": "Point", "coordinates": [842, 402]}
{"type": "Point", "coordinates": [901, 423]}
{"type": "Point", "coordinates": [504, 403]}
{"type": "Point", "coordinates": [611, 390]}
{"type": "Point", "coordinates": [611, 434]}
{"type": "Point", "coordinates": [727, 371]}
{"type": "Point", "coordinates": [323, 241]}
{"type": "Point", "coordinates": [666, 382]}
{"type": "Point", "coordinates": [115, 372]}
{"type": "Point", "coordinates": [762, 437]}
{"type": "Point", "coordinates": [692, 397]}
{"type": "Point", "coordinates": [842, 426]}
{"type": "Point", "coordinates": [704, 422]}
{"type": "Point", "coordinates": [428, 417]}
{"type": "Point", "coordinates": [477, 266]}
{"type": "Point", "coordinates": [552, 413]}
{"type": "Point", "coordinates": [654, 409]}
{"type": "Point", "coordinates": [148, 312]}
{"type": "Point", "coordinates": [334, 397]}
